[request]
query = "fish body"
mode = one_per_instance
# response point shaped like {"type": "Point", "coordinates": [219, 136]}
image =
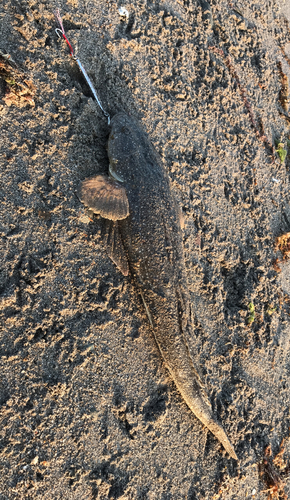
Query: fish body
{"type": "Point", "coordinates": [143, 237]}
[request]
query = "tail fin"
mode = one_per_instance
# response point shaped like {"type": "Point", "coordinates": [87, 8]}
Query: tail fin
{"type": "Point", "coordinates": [220, 434]}
{"type": "Point", "coordinates": [197, 401]}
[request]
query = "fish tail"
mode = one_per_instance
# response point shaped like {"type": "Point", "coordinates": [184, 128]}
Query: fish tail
{"type": "Point", "coordinates": [197, 401]}
{"type": "Point", "coordinates": [220, 434]}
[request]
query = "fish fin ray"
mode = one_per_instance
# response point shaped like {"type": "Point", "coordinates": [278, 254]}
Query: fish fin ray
{"type": "Point", "coordinates": [104, 196]}
{"type": "Point", "coordinates": [112, 241]}
{"type": "Point", "coordinates": [147, 311]}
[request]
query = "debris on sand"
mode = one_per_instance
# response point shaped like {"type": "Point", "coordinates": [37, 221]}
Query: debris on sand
{"type": "Point", "coordinates": [17, 89]}
{"type": "Point", "coordinates": [252, 313]}
{"type": "Point", "coordinates": [283, 245]}
{"type": "Point", "coordinates": [271, 470]}
{"type": "Point", "coordinates": [282, 152]}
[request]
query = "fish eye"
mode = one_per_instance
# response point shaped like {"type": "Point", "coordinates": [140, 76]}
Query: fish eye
{"type": "Point", "coordinates": [125, 130]}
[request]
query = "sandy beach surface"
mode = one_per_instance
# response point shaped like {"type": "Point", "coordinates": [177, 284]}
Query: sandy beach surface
{"type": "Point", "coordinates": [87, 408]}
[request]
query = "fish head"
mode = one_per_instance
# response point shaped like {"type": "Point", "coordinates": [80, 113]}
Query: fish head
{"type": "Point", "coordinates": [123, 146]}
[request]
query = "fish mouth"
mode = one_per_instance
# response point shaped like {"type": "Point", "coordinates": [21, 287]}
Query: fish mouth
{"type": "Point", "coordinates": [113, 174]}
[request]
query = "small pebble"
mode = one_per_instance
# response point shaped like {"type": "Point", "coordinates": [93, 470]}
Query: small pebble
{"type": "Point", "coordinates": [123, 12]}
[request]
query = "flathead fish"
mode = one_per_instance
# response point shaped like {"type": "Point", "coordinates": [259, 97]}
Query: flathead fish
{"type": "Point", "coordinates": [143, 238]}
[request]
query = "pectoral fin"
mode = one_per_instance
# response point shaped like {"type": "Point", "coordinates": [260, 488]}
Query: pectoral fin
{"type": "Point", "coordinates": [113, 243]}
{"type": "Point", "coordinates": [104, 196]}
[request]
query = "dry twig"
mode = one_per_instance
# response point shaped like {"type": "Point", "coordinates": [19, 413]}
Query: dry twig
{"type": "Point", "coordinates": [234, 74]}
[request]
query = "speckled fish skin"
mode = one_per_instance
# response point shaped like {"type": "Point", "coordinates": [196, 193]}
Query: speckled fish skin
{"type": "Point", "coordinates": [152, 240]}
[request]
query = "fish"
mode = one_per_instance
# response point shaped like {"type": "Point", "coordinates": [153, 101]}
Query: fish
{"type": "Point", "coordinates": [143, 237]}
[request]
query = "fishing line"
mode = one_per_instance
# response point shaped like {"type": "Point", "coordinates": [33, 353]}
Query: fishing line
{"type": "Point", "coordinates": [60, 32]}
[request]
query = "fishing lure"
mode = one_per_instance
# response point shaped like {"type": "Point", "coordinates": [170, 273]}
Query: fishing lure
{"type": "Point", "coordinates": [60, 32]}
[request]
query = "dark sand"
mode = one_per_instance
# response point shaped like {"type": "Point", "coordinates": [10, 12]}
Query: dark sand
{"type": "Point", "coordinates": [88, 411]}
